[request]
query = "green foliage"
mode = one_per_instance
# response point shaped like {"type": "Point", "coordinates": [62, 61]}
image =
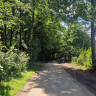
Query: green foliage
{"type": "Point", "coordinates": [34, 50]}
{"type": "Point", "coordinates": [12, 87]}
{"type": "Point", "coordinates": [74, 38]}
{"type": "Point", "coordinates": [84, 59]}
{"type": "Point", "coordinates": [12, 63]}
{"type": "Point", "coordinates": [49, 36]}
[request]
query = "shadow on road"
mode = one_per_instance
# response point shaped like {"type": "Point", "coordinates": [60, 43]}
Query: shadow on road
{"type": "Point", "coordinates": [86, 77]}
{"type": "Point", "coordinates": [54, 82]}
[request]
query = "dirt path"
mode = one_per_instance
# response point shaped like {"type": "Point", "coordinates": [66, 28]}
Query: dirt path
{"type": "Point", "coordinates": [83, 75]}
{"type": "Point", "coordinates": [53, 81]}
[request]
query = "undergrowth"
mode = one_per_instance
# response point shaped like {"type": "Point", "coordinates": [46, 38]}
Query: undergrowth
{"type": "Point", "coordinates": [84, 59]}
{"type": "Point", "coordinates": [11, 88]}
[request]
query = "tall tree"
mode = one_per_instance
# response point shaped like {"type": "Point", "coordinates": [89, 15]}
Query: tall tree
{"type": "Point", "coordinates": [11, 33]}
{"type": "Point", "coordinates": [32, 24]}
{"type": "Point", "coordinates": [20, 28]}
{"type": "Point", "coordinates": [93, 31]}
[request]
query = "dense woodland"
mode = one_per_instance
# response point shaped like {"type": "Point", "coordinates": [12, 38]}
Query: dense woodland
{"type": "Point", "coordinates": [32, 30]}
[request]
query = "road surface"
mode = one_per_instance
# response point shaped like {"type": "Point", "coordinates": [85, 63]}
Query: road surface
{"type": "Point", "coordinates": [53, 81]}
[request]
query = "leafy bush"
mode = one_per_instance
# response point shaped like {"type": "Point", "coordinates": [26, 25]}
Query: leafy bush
{"type": "Point", "coordinates": [12, 63]}
{"type": "Point", "coordinates": [1, 72]}
{"type": "Point", "coordinates": [84, 59]}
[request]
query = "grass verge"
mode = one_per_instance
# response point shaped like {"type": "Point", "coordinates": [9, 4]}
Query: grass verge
{"type": "Point", "coordinates": [80, 66]}
{"type": "Point", "coordinates": [12, 87]}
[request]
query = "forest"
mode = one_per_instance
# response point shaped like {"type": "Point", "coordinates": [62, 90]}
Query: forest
{"type": "Point", "coordinates": [40, 30]}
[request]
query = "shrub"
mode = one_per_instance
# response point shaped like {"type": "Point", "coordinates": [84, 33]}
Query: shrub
{"type": "Point", "coordinates": [12, 63]}
{"type": "Point", "coordinates": [84, 59]}
{"type": "Point", "coordinates": [1, 72]}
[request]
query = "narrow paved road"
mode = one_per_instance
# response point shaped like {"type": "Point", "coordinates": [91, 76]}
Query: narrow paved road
{"type": "Point", "coordinates": [53, 81]}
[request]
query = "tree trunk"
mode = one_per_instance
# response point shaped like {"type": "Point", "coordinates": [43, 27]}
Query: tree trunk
{"type": "Point", "coordinates": [4, 40]}
{"type": "Point", "coordinates": [5, 27]}
{"type": "Point", "coordinates": [20, 37]}
{"type": "Point", "coordinates": [11, 35]}
{"type": "Point", "coordinates": [20, 30]}
{"type": "Point", "coordinates": [31, 32]}
{"type": "Point", "coordinates": [1, 34]}
{"type": "Point", "coordinates": [93, 33]}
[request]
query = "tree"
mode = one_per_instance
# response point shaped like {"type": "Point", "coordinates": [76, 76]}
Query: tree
{"type": "Point", "coordinates": [74, 39]}
{"type": "Point", "coordinates": [32, 24]}
{"type": "Point", "coordinates": [93, 31]}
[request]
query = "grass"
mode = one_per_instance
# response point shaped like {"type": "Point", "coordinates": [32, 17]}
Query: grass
{"type": "Point", "coordinates": [80, 66]}
{"type": "Point", "coordinates": [12, 87]}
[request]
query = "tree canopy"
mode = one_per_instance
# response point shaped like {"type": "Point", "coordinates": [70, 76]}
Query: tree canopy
{"type": "Point", "coordinates": [35, 27]}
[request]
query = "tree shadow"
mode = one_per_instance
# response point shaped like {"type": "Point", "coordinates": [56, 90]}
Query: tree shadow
{"type": "Point", "coordinates": [86, 77]}
{"type": "Point", "coordinates": [5, 89]}
{"type": "Point", "coordinates": [54, 82]}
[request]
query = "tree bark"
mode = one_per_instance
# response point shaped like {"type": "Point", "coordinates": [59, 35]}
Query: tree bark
{"type": "Point", "coordinates": [1, 34]}
{"type": "Point", "coordinates": [4, 40]}
{"type": "Point", "coordinates": [11, 34]}
{"type": "Point", "coordinates": [32, 24]}
{"type": "Point", "coordinates": [20, 37]}
{"type": "Point", "coordinates": [5, 26]}
{"type": "Point", "coordinates": [11, 37]}
{"type": "Point", "coordinates": [20, 29]}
